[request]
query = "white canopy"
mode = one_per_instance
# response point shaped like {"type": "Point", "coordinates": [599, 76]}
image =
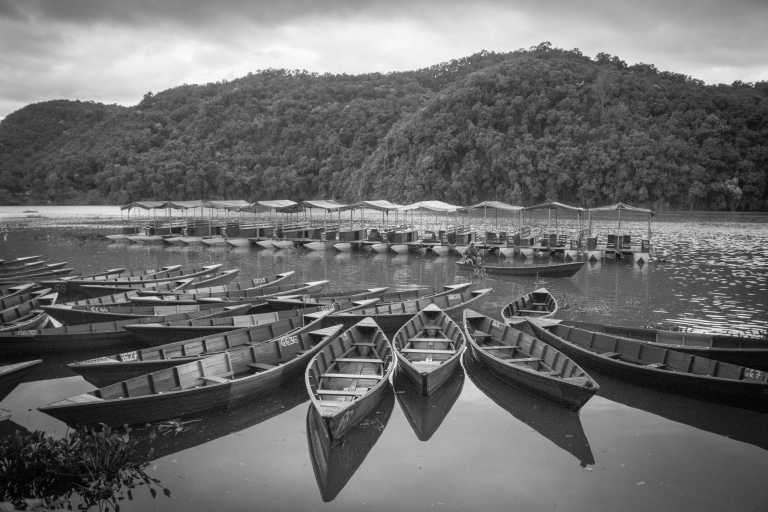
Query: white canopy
{"type": "Point", "coordinates": [432, 206]}
{"type": "Point", "coordinates": [328, 205]}
{"type": "Point", "coordinates": [381, 205]}
{"type": "Point", "coordinates": [621, 206]}
{"type": "Point", "coordinates": [554, 205]}
{"type": "Point", "coordinates": [495, 205]}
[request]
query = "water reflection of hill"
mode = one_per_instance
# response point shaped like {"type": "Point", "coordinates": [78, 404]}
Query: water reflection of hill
{"type": "Point", "coordinates": [732, 422]}
{"type": "Point", "coordinates": [560, 425]}
{"type": "Point", "coordinates": [335, 463]}
{"type": "Point", "coordinates": [426, 413]}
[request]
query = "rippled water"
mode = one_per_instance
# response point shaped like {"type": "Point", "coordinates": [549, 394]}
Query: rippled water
{"type": "Point", "coordinates": [481, 444]}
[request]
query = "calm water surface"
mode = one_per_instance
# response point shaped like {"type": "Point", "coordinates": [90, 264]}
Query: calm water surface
{"type": "Point", "coordinates": [479, 444]}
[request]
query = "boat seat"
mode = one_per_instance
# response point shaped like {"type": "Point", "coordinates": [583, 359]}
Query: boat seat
{"type": "Point", "coordinates": [358, 360]}
{"type": "Point", "coordinates": [214, 379]}
{"type": "Point", "coordinates": [480, 334]}
{"type": "Point", "coordinates": [430, 340]}
{"type": "Point", "coordinates": [612, 355]}
{"type": "Point", "coordinates": [542, 304]}
{"type": "Point", "coordinates": [499, 347]}
{"type": "Point", "coordinates": [261, 366]}
{"type": "Point", "coordinates": [522, 359]}
{"type": "Point", "coordinates": [351, 376]}
{"type": "Point", "coordinates": [431, 327]}
{"type": "Point", "coordinates": [342, 392]}
{"type": "Point", "coordinates": [531, 311]}
{"type": "Point", "coordinates": [364, 344]}
{"type": "Point", "coordinates": [426, 351]}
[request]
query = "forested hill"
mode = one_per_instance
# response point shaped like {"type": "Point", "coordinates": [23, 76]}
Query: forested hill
{"type": "Point", "coordinates": [520, 127]}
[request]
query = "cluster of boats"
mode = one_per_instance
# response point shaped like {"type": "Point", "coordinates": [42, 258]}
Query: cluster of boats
{"type": "Point", "coordinates": [178, 342]}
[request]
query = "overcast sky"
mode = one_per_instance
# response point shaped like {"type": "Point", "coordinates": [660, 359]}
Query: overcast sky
{"type": "Point", "coordinates": [114, 51]}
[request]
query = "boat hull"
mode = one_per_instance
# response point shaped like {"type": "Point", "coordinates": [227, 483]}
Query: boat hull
{"type": "Point", "coordinates": [556, 270]}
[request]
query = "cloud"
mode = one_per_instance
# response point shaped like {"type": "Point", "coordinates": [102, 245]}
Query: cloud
{"type": "Point", "coordinates": [116, 50]}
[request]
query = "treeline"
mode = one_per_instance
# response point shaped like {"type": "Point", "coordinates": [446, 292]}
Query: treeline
{"type": "Point", "coordinates": [520, 127]}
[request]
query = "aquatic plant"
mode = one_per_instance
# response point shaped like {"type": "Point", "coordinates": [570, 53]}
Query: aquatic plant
{"type": "Point", "coordinates": [89, 467]}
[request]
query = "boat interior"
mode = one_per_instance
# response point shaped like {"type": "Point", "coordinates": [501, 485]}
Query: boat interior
{"type": "Point", "coordinates": [537, 303]}
{"type": "Point", "coordinates": [429, 339]}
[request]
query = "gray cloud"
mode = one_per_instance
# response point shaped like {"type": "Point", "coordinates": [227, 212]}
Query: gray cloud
{"type": "Point", "coordinates": [116, 50]}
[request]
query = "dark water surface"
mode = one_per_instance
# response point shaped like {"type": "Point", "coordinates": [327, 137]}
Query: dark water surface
{"type": "Point", "coordinates": [480, 444]}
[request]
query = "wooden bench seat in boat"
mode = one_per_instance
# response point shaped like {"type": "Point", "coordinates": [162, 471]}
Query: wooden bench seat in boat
{"type": "Point", "coordinates": [522, 359]}
{"type": "Point", "coordinates": [500, 347]}
{"type": "Point", "coordinates": [429, 340]}
{"type": "Point", "coordinates": [343, 392]}
{"type": "Point", "coordinates": [364, 344]}
{"type": "Point", "coordinates": [431, 327]}
{"type": "Point", "coordinates": [358, 360]}
{"type": "Point", "coordinates": [532, 311]}
{"type": "Point", "coordinates": [426, 351]}
{"type": "Point", "coordinates": [480, 334]}
{"type": "Point", "coordinates": [542, 304]}
{"type": "Point", "coordinates": [352, 376]}
{"type": "Point", "coordinates": [612, 355]}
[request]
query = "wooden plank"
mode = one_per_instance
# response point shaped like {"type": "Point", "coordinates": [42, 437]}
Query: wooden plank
{"type": "Point", "coordinates": [350, 392]}
{"type": "Point", "coordinates": [430, 340]}
{"type": "Point", "coordinates": [358, 360]}
{"type": "Point", "coordinates": [214, 379]}
{"type": "Point", "coordinates": [426, 351]}
{"type": "Point", "coordinates": [522, 359]}
{"type": "Point", "coordinates": [352, 376]}
{"type": "Point", "coordinates": [499, 347]}
{"type": "Point", "coordinates": [612, 355]}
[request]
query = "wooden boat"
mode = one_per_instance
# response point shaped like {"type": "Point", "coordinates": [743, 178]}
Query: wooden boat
{"type": "Point", "coordinates": [125, 365]}
{"type": "Point", "coordinates": [26, 278]}
{"type": "Point", "coordinates": [21, 268]}
{"type": "Point", "coordinates": [544, 270]}
{"type": "Point", "coordinates": [250, 295]}
{"type": "Point", "coordinates": [538, 303]}
{"type": "Point", "coordinates": [103, 335]}
{"type": "Point", "coordinates": [661, 367]}
{"type": "Point", "coordinates": [218, 381]}
{"type": "Point", "coordinates": [238, 242]}
{"type": "Point", "coordinates": [264, 244]}
{"type": "Point", "coordinates": [32, 269]}
{"type": "Point", "coordinates": [29, 307]}
{"type": "Point", "coordinates": [14, 291]}
{"type": "Point", "coordinates": [15, 299]}
{"type": "Point", "coordinates": [741, 350]}
{"type": "Point", "coordinates": [527, 361]}
{"type": "Point", "coordinates": [20, 261]}
{"type": "Point", "coordinates": [177, 286]}
{"type": "Point", "coordinates": [71, 315]}
{"type": "Point", "coordinates": [12, 374]}
{"type": "Point", "coordinates": [428, 348]}
{"type": "Point", "coordinates": [254, 284]}
{"type": "Point", "coordinates": [335, 463]}
{"type": "Point", "coordinates": [425, 414]}
{"type": "Point", "coordinates": [560, 425]}
{"type": "Point", "coordinates": [283, 244]}
{"type": "Point", "coordinates": [214, 241]}
{"type": "Point", "coordinates": [392, 315]}
{"type": "Point", "coordinates": [347, 379]}
{"type": "Point", "coordinates": [170, 273]}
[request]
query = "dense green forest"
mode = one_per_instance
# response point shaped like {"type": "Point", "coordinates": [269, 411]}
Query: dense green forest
{"type": "Point", "coordinates": [521, 127]}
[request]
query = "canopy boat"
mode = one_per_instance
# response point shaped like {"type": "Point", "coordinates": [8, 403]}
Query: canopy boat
{"type": "Point", "coordinates": [538, 303]}
{"type": "Point", "coordinates": [658, 366]}
{"type": "Point", "coordinates": [334, 463]}
{"type": "Point", "coordinates": [527, 361]}
{"type": "Point", "coordinates": [103, 335]}
{"type": "Point", "coordinates": [391, 316]}
{"type": "Point", "coordinates": [11, 375]}
{"type": "Point", "coordinates": [429, 347]}
{"type": "Point", "coordinates": [543, 270]}
{"type": "Point", "coordinates": [248, 295]}
{"type": "Point", "coordinates": [425, 414]}
{"type": "Point", "coordinates": [741, 350]}
{"type": "Point", "coordinates": [560, 425]}
{"type": "Point", "coordinates": [221, 380]}
{"type": "Point", "coordinates": [114, 367]}
{"type": "Point", "coordinates": [157, 333]}
{"type": "Point", "coordinates": [347, 379]}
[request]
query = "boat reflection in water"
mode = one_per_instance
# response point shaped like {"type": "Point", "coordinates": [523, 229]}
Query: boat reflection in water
{"type": "Point", "coordinates": [177, 436]}
{"type": "Point", "coordinates": [426, 413]}
{"type": "Point", "coordinates": [334, 463]}
{"type": "Point", "coordinates": [743, 425]}
{"type": "Point", "coordinates": [559, 424]}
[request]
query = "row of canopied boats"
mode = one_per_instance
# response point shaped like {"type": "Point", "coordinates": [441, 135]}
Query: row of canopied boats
{"type": "Point", "coordinates": [214, 346]}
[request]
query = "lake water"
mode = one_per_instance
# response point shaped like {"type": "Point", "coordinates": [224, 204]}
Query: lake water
{"type": "Point", "coordinates": [480, 445]}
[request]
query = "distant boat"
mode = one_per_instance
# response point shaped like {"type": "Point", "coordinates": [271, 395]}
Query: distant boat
{"type": "Point", "coordinates": [544, 270]}
{"type": "Point", "coordinates": [347, 378]}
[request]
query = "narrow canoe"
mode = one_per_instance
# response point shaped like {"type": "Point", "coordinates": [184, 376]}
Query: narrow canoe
{"type": "Point", "coordinates": [20, 261]}
{"type": "Point", "coordinates": [741, 350]}
{"type": "Point", "coordinates": [21, 267]}
{"type": "Point", "coordinates": [656, 366]}
{"type": "Point", "coordinates": [428, 348]}
{"type": "Point", "coordinates": [391, 316]}
{"type": "Point", "coordinates": [13, 300]}
{"type": "Point", "coordinates": [347, 379]}
{"type": "Point", "coordinates": [125, 365]}
{"type": "Point", "coordinates": [11, 375]}
{"type": "Point", "coordinates": [425, 414]}
{"type": "Point", "coordinates": [173, 273]}
{"type": "Point", "coordinates": [24, 309]}
{"type": "Point", "coordinates": [560, 425]}
{"type": "Point", "coordinates": [553, 270]}
{"type": "Point", "coordinates": [219, 381]}
{"type": "Point", "coordinates": [35, 277]}
{"type": "Point", "coordinates": [71, 315]}
{"type": "Point", "coordinates": [103, 335]}
{"type": "Point", "coordinates": [538, 303]}
{"type": "Point", "coordinates": [335, 463]}
{"type": "Point", "coordinates": [176, 286]}
{"type": "Point", "coordinates": [14, 291]}
{"type": "Point", "coordinates": [33, 269]}
{"type": "Point", "coordinates": [249, 295]}
{"type": "Point", "coordinates": [527, 361]}
{"type": "Point", "coordinates": [254, 284]}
